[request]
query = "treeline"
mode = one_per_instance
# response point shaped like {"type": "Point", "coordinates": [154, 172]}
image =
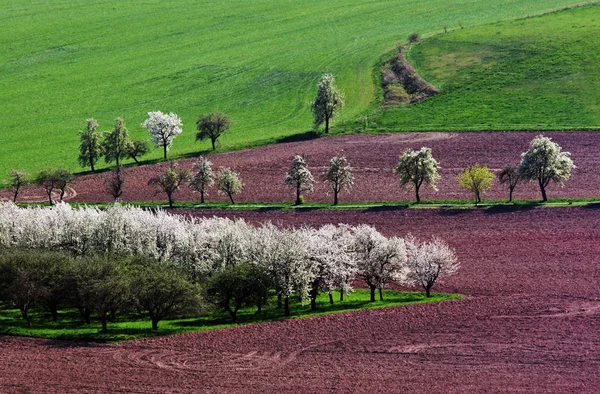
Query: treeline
{"type": "Point", "coordinates": [97, 286]}
{"type": "Point", "coordinates": [542, 163]}
{"type": "Point", "coordinates": [237, 264]}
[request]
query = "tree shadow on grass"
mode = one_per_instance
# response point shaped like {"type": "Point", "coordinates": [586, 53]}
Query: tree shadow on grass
{"type": "Point", "coordinates": [385, 208]}
{"type": "Point", "coordinates": [510, 208]}
{"type": "Point", "coordinates": [306, 136]}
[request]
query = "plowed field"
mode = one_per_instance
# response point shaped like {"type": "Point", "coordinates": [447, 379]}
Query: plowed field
{"type": "Point", "coordinates": [373, 157]}
{"type": "Point", "coordinates": [530, 323]}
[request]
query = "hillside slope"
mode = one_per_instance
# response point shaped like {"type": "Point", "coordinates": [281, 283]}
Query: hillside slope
{"type": "Point", "coordinates": [65, 61]}
{"type": "Point", "coordinates": [532, 74]}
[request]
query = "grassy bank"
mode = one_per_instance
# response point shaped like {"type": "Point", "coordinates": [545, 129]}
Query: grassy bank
{"type": "Point", "coordinates": [134, 326]}
{"type": "Point", "coordinates": [535, 73]}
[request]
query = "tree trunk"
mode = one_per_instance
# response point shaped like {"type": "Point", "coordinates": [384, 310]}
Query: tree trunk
{"type": "Point", "coordinates": [259, 303]}
{"type": "Point", "coordinates": [279, 301]}
{"type": "Point", "coordinates": [201, 196]}
{"type": "Point", "coordinates": [341, 294]}
{"type": "Point", "coordinates": [313, 302]}
{"type": "Point", "coordinates": [380, 294]}
{"type": "Point", "coordinates": [543, 190]}
{"type": "Point", "coordinates": [213, 142]}
{"type": "Point", "coordinates": [155, 324]}
{"type": "Point", "coordinates": [428, 291]}
{"type": "Point", "coordinates": [510, 192]}
{"type": "Point", "coordinates": [165, 151]}
{"type": "Point", "coordinates": [331, 298]}
{"type": "Point", "coordinates": [286, 304]}
{"type": "Point", "coordinates": [326, 124]}
{"type": "Point", "coordinates": [170, 200]}
{"type": "Point", "coordinates": [298, 202]}
{"type": "Point", "coordinates": [233, 314]}
{"type": "Point", "coordinates": [104, 320]}
{"type": "Point", "coordinates": [50, 196]}
{"type": "Point", "coordinates": [16, 195]}
{"type": "Point", "coordinates": [477, 198]}
{"type": "Point", "coordinates": [92, 165]}
{"type": "Point", "coordinates": [231, 198]}
{"type": "Point", "coordinates": [335, 197]}
{"type": "Point", "coordinates": [62, 193]}
{"type": "Point", "coordinates": [417, 193]}
{"type": "Point", "coordinates": [25, 314]}
{"type": "Point", "coordinates": [372, 293]}
{"type": "Point", "coordinates": [135, 159]}
{"type": "Point", "coordinates": [53, 312]}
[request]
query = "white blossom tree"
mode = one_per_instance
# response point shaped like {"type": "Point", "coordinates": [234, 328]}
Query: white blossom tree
{"type": "Point", "coordinates": [416, 168]}
{"type": "Point", "coordinates": [202, 178]}
{"type": "Point", "coordinates": [328, 102]}
{"type": "Point", "coordinates": [163, 128]}
{"type": "Point", "coordinates": [331, 260]}
{"type": "Point", "coordinates": [429, 262]}
{"type": "Point", "coordinates": [339, 175]}
{"type": "Point", "coordinates": [299, 178]}
{"type": "Point", "coordinates": [544, 162]}
{"type": "Point", "coordinates": [284, 254]}
{"type": "Point", "coordinates": [229, 183]}
{"type": "Point", "coordinates": [380, 260]}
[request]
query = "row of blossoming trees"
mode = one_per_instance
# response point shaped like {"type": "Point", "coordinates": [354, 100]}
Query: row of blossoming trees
{"type": "Point", "coordinates": [302, 261]}
{"type": "Point", "coordinates": [543, 163]}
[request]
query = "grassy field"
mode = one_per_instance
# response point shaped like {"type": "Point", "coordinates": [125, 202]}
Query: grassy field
{"type": "Point", "coordinates": [534, 73]}
{"type": "Point", "coordinates": [128, 327]}
{"type": "Point", "coordinates": [258, 61]}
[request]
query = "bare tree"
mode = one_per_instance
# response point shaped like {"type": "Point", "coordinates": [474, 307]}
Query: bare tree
{"type": "Point", "coordinates": [115, 183]}
{"type": "Point", "coordinates": [51, 179]}
{"type": "Point", "coordinates": [17, 179]}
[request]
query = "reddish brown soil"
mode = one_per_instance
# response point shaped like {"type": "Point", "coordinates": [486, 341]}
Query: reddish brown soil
{"type": "Point", "coordinates": [373, 157]}
{"type": "Point", "coordinates": [530, 323]}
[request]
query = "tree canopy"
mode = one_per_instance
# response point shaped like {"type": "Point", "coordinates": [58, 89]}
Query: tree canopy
{"type": "Point", "coordinates": [416, 168]}
{"type": "Point", "coordinates": [544, 162]}
{"type": "Point", "coordinates": [328, 103]}
{"type": "Point", "coordinates": [163, 128]}
{"type": "Point", "coordinates": [212, 126]}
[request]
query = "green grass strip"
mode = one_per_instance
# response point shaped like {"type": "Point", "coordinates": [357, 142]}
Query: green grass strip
{"type": "Point", "coordinates": [134, 326]}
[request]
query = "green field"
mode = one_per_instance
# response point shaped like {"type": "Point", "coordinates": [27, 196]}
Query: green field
{"type": "Point", "coordinates": [534, 73]}
{"type": "Point", "coordinates": [258, 61]}
{"type": "Point", "coordinates": [135, 326]}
